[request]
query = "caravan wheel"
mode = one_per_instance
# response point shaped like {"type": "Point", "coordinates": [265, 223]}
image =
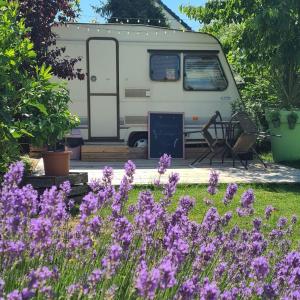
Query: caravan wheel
{"type": "Point", "coordinates": [138, 140]}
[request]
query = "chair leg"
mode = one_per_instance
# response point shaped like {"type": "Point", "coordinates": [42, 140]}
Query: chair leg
{"type": "Point", "coordinates": [245, 165]}
{"type": "Point", "coordinates": [223, 155]}
{"type": "Point", "coordinates": [260, 159]}
{"type": "Point", "coordinates": [234, 157]}
{"type": "Point", "coordinates": [200, 158]}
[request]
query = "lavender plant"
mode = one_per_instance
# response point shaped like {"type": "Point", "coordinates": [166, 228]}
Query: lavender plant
{"type": "Point", "coordinates": [141, 251]}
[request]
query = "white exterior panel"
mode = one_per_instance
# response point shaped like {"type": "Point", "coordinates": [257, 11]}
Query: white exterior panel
{"type": "Point", "coordinates": [134, 43]}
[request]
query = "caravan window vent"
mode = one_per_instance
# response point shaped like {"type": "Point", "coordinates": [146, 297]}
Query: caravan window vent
{"type": "Point", "coordinates": [203, 73]}
{"type": "Point", "coordinates": [164, 67]}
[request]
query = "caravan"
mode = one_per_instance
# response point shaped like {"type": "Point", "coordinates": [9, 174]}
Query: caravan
{"type": "Point", "coordinates": [132, 70]}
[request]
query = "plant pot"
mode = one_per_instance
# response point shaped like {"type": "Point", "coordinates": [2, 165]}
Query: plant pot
{"type": "Point", "coordinates": [287, 146]}
{"type": "Point", "coordinates": [56, 163]}
{"type": "Point", "coordinates": [36, 152]}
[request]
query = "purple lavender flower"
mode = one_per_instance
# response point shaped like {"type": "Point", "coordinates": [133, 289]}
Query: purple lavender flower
{"type": "Point", "coordinates": [164, 163]}
{"type": "Point", "coordinates": [247, 199]}
{"type": "Point", "coordinates": [170, 188]}
{"type": "Point", "coordinates": [123, 232]}
{"type": "Point", "coordinates": [95, 185]}
{"type": "Point", "coordinates": [2, 284]}
{"type": "Point", "coordinates": [130, 170]}
{"type": "Point", "coordinates": [73, 289]}
{"type": "Point", "coordinates": [209, 291]}
{"type": "Point", "coordinates": [147, 281]}
{"type": "Point", "coordinates": [167, 273]}
{"type": "Point", "coordinates": [213, 182]}
{"type": "Point", "coordinates": [260, 267]}
{"type": "Point", "coordinates": [131, 209]}
{"type": "Point", "coordinates": [207, 252]}
{"type": "Point", "coordinates": [268, 211]}
{"type": "Point", "coordinates": [257, 223]}
{"type": "Point", "coordinates": [14, 175]}
{"type": "Point", "coordinates": [66, 187]}
{"type": "Point", "coordinates": [107, 175]}
{"type": "Point", "coordinates": [226, 218]}
{"type": "Point", "coordinates": [41, 232]}
{"type": "Point", "coordinates": [211, 219]}
{"type": "Point", "coordinates": [294, 219]}
{"type": "Point", "coordinates": [15, 295]}
{"type": "Point", "coordinates": [189, 289]}
{"type": "Point", "coordinates": [112, 260]}
{"type": "Point", "coordinates": [230, 192]}
{"type": "Point", "coordinates": [220, 270]}
{"type": "Point", "coordinates": [94, 225]}
{"type": "Point", "coordinates": [95, 277]}
{"type": "Point", "coordinates": [187, 203]}
{"type": "Point", "coordinates": [88, 206]}
{"type": "Point", "coordinates": [282, 222]}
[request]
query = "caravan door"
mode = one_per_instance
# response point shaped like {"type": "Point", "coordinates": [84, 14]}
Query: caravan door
{"type": "Point", "coordinates": [103, 88]}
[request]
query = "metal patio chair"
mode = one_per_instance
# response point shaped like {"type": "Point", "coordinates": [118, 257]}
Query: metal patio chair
{"type": "Point", "coordinates": [242, 127]}
{"type": "Point", "coordinates": [213, 143]}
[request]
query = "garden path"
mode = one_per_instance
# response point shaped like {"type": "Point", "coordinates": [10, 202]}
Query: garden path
{"type": "Point", "coordinates": [147, 172]}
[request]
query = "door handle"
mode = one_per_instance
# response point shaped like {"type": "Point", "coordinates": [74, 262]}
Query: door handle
{"type": "Point", "coordinates": [93, 78]}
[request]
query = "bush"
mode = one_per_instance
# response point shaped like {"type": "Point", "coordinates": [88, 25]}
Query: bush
{"type": "Point", "coordinates": [25, 98]}
{"type": "Point", "coordinates": [141, 251]}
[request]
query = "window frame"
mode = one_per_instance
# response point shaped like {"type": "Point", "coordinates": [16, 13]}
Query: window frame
{"type": "Point", "coordinates": [199, 54]}
{"type": "Point", "coordinates": [165, 53]}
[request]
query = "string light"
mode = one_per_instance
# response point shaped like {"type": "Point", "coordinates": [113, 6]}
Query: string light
{"type": "Point", "coordinates": [126, 31]}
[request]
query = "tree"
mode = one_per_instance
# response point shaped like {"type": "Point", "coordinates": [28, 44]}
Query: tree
{"type": "Point", "coordinates": [40, 16]}
{"type": "Point", "coordinates": [132, 11]}
{"type": "Point", "coordinates": [264, 46]}
{"type": "Point", "coordinates": [24, 96]}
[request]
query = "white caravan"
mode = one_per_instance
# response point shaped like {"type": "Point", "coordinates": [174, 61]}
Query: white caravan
{"type": "Point", "coordinates": [132, 70]}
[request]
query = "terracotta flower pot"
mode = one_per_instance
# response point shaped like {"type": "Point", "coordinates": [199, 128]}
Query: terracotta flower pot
{"type": "Point", "coordinates": [57, 163]}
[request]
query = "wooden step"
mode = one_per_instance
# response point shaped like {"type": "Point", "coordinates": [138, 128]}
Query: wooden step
{"type": "Point", "coordinates": [121, 152]}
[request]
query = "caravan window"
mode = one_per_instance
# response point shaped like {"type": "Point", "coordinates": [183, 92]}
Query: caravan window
{"type": "Point", "coordinates": [165, 67]}
{"type": "Point", "coordinates": [203, 73]}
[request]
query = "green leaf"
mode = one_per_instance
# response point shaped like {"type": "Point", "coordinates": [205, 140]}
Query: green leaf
{"type": "Point", "coordinates": [26, 132]}
{"type": "Point", "coordinates": [41, 107]}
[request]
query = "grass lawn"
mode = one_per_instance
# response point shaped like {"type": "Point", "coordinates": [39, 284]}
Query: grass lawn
{"type": "Point", "coordinates": [284, 197]}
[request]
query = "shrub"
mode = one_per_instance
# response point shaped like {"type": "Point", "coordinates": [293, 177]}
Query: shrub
{"type": "Point", "coordinates": [28, 102]}
{"type": "Point", "coordinates": [141, 251]}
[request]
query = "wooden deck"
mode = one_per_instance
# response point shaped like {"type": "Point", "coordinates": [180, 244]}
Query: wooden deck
{"type": "Point", "coordinates": [119, 152]}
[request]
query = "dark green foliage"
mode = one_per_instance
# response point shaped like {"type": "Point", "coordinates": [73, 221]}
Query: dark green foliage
{"type": "Point", "coordinates": [275, 118]}
{"type": "Point", "coordinates": [132, 12]}
{"type": "Point", "coordinates": [261, 39]}
{"type": "Point", "coordinates": [292, 119]}
{"type": "Point", "coordinates": [24, 96]}
{"type": "Point", "coordinates": [40, 16]}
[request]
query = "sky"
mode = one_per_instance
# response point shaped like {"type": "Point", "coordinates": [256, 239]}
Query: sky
{"type": "Point", "coordinates": [88, 14]}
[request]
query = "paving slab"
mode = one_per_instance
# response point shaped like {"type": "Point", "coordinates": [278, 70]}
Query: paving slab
{"type": "Point", "coordinates": [147, 172]}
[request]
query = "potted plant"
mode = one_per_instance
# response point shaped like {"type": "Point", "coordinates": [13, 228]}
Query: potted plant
{"type": "Point", "coordinates": [275, 118]}
{"type": "Point", "coordinates": [292, 119]}
{"type": "Point", "coordinates": [51, 129]}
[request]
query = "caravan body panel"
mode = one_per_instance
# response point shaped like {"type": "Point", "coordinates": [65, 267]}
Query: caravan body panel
{"type": "Point", "coordinates": [120, 87]}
